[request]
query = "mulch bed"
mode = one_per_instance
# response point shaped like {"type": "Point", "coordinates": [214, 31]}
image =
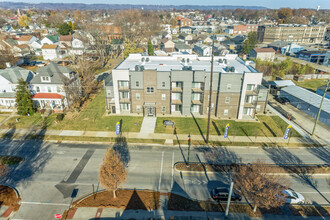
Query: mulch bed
{"type": "Point", "coordinates": [179, 203]}
{"type": "Point", "coordinates": [8, 197]}
{"type": "Point", "coordinates": [310, 210]}
{"type": "Point", "coordinates": [126, 199]}
{"type": "Point", "coordinates": [311, 169]}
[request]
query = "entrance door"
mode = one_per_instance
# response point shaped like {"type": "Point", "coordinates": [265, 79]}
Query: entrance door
{"type": "Point", "coordinates": [151, 111]}
{"type": "Point", "coordinates": [114, 109]}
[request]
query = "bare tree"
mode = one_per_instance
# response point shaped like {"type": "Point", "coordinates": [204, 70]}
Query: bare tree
{"type": "Point", "coordinates": [6, 56]}
{"type": "Point", "coordinates": [112, 171]}
{"type": "Point", "coordinates": [259, 187]}
{"type": "Point", "coordinates": [3, 169]}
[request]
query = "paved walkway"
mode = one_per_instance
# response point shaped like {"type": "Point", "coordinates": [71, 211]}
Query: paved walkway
{"type": "Point", "coordinates": [148, 125]}
{"type": "Point", "coordinates": [162, 136]}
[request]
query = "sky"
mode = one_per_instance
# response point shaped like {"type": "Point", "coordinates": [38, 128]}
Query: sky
{"type": "Point", "coordinates": [324, 4]}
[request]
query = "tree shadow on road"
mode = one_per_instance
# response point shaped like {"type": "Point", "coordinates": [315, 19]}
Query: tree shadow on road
{"type": "Point", "coordinates": [34, 152]}
{"type": "Point", "coordinates": [293, 165]}
{"type": "Point", "coordinates": [120, 146]}
{"type": "Point", "coordinates": [321, 152]}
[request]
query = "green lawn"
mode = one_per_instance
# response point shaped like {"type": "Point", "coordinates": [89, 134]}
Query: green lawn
{"type": "Point", "coordinates": [311, 84]}
{"type": "Point", "coordinates": [92, 118]}
{"type": "Point", "coordinates": [23, 121]}
{"type": "Point", "coordinates": [270, 126]}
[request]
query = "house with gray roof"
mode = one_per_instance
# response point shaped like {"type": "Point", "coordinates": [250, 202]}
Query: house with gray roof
{"type": "Point", "coordinates": [50, 84]}
{"type": "Point", "coordinates": [9, 79]}
{"type": "Point", "coordinates": [182, 47]}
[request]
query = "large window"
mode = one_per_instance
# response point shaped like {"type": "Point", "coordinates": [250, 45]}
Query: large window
{"type": "Point", "coordinates": [194, 108]}
{"type": "Point", "coordinates": [38, 89]}
{"type": "Point", "coordinates": [250, 87]}
{"type": "Point", "coordinates": [195, 96]}
{"type": "Point", "coordinates": [123, 83]}
{"type": "Point", "coordinates": [124, 95]}
{"type": "Point", "coordinates": [176, 96]}
{"type": "Point", "coordinates": [137, 96]}
{"type": "Point", "coordinates": [49, 89]}
{"type": "Point", "coordinates": [225, 112]}
{"type": "Point", "coordinates": [138, 108]}
{"type": "Point", "coordinates": [163, 84]}
{"type": "Point", "coordinates": [137, 83]}
{"type": "Point", "coordinates": [227, 100]}
{"type": "Point", "coordinates": [163, 96]}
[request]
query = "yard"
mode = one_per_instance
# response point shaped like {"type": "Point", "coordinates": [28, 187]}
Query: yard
{"type": "Point", "coordinates": [92, 118]}
{"type": "Point", "coordinates": [269, 126]}
{"type": "Point", "coordinates": [311, 84]}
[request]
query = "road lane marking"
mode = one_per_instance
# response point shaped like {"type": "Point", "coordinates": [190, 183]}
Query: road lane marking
{"type": "Point", "coordinates": [161, 171]}
{"type": "Point", "coordinates": [45, 203]}
{"type": "Point", "coordinates": [172, 170]}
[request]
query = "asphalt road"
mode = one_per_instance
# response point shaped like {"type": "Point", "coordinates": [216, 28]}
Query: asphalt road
{"type": "Point", "coordinates": [53, 173]}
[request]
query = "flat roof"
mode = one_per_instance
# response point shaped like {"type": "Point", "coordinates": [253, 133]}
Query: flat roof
{"type": "Point", "coordinates": [308, 97]}
{"type": "Point", "coordinates": [176, 62]}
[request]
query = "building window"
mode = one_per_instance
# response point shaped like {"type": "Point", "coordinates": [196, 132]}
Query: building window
{"type": "Point", "coordinates": [163, 84]}
{"type": "Point", "coordinates": [58, 89]}
{"type": "Point", "coordinates": [124, 107]}
{"type": "Point", "coordinates": [258, 108]}
{"type": "Point", "coordinates": [228, 86]}
{"type": "Point", "coordinates": [123, 84]}
{"type": "Point", "coordinates": [227, 100]}
{"type": "Point", "coordinates": [225, 112]}
{"type": "Point", "coordinates": [38, 89]}
{"type": "Point", "coordinates": [137, 83]}
{"type": "Point", "coordinates": [150, 89]}
{"type": "Point", "coordinates": [163, 96]}
{"type": "Point", "coordinates": [49, 89]}
{"type": "Point", "coordinates": [137, 95]}
{"type": "Point", "coordinates": [250, 87]}
{"type": "Point", "coordinates": [163, 109]}
{"type": "Point", "coordinates": [108, 93]}
{"type": "Point", "coordinates": [138, 108]}
{"type": "Point", "coordinates": [124, 95]}
{"type": "Point", "coordinates": [45, 79]}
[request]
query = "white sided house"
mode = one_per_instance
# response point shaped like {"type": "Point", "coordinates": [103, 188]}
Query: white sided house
{"type": "Point", "coordinates": [50, 52]}
{"type": "Point", "coordinates": [9, 79]}
{"type": "Point", "coordinates": [77, 47]}
{"type": "Point", "coordinates": [48, 86]}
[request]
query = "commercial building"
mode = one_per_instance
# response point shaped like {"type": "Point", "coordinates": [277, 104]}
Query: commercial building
{"type": "Point", "coordinates": [308, 102]}
{"type": "Point", "coordinates": [302, 34]}
{"type": "Point", "coordinates": [241, 29]}
{"type": "Point", "coordinates": [312, 56]}
{"type": "Point", "coordinates": [179, 85]}
{"type": "Point", "coordinates": [262, 54]}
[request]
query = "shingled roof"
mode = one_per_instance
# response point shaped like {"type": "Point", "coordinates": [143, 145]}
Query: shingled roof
{"type": "Point", "coordinates": [14, 74]}
{"type": "Point", "coordinates": [53, 70]}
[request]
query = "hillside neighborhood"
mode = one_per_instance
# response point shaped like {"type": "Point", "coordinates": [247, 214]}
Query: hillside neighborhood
{"type": "Point", "coordinates": [147, 113]}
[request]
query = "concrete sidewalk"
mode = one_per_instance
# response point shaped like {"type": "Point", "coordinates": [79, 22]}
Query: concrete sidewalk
{"type": "Point", "coordinates": [162, 136]}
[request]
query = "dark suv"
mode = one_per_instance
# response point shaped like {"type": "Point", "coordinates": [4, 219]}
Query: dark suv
{"type": "Point", "coordinates": [222, 193]}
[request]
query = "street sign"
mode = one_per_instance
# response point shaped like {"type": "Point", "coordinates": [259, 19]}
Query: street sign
{"type": "Point", "coordinates": [226, 131]}
{"type": "Point", "coordinates": [287, 132]}
{"type": "Point", "coordinates": [58, 216]}
{"type": "Point", "coordinates": [118, 128]}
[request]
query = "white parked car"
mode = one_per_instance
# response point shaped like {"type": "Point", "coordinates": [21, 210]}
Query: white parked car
{"type": "Point", "coordinates": [293, 197]}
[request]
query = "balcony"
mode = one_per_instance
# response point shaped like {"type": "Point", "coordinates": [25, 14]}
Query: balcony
{"type": "Point", "coordinates": [252, 92]}
{"type": "Point", "coordinates": [176, 89]}
{"type": "Point", "coordinates": [121, 88]}
{"type": "Point", "coordinates": [198, 90]}
{"type": "Point", "coordinates": [250, 104]}
{"type": "Point", "coordinates": [196, 102]}
{"type": "Point", "coordinates": [124, 100]}
{"type": "Point", "coordinates": [176, 102]}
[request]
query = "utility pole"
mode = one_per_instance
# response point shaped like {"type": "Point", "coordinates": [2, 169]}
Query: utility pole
{"type": "Point", "coordinates": [210, 96]}
{"type": "Point", "coordinates": [229, 198]}
{"type": "Point", "coordinates": [320, 109]}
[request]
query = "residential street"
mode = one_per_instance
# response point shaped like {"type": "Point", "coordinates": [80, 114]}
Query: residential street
{"type": "Point", "coordinates": [51, 171]}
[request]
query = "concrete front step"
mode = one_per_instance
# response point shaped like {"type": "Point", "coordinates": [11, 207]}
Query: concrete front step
{"type": "Point", "coordinates": [148, 125]}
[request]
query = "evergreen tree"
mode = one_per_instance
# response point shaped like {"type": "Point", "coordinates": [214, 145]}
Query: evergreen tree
{"type": "Point", "coordinates": [250, 42]}
{"type": "Point", "coordinates": [65, 29]}
{"type": "Point", "coordinates": [23, 99]}
{"type": "Point", "coordinates": [150, 48]}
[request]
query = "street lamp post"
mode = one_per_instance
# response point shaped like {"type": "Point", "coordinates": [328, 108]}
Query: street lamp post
{"type": "Point", "coordinates": [188, 149]}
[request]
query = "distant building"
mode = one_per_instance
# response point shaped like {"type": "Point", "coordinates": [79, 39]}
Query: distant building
{"type": "Point", "coordinates": [184, 22]}
{"type": "Point", "coordinates": [298, 34]}
{"type": "Point", "coordinates": [312, 56]}
{"type": "Point", "coordinates": [241, 29]}
{"type": "Point", "coordinates": [326, 61]}
{"type": "Point", "coordinates": [308, 102]}
{"type": "Point", "coordinates": [182, 47]}
{"type": "Point", "coordinates": [262, 54]}
{"type": "Point", "coordinates": [50, 52]}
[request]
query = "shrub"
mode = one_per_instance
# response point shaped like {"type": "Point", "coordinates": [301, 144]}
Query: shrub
{"type": "Point", "coordinates": [59, 117]}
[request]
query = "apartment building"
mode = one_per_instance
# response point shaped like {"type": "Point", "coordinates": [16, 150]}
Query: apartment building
{"type": "Point", "coordinates": [241, 28]}
{"type": "Point", "coordinates": [301, 34]}
{"type": "Point", "coordinates": [184, 22]}
{"type": "Point", "coordinates": [179, 85]}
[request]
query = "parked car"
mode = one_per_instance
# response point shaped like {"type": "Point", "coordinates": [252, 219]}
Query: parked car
{"type": "Point", "coordinates": [222, 193]}
{"type": "Point", "coordinates": [292, 197]}
{"type": "Point", "coordinates": [282, 100]}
